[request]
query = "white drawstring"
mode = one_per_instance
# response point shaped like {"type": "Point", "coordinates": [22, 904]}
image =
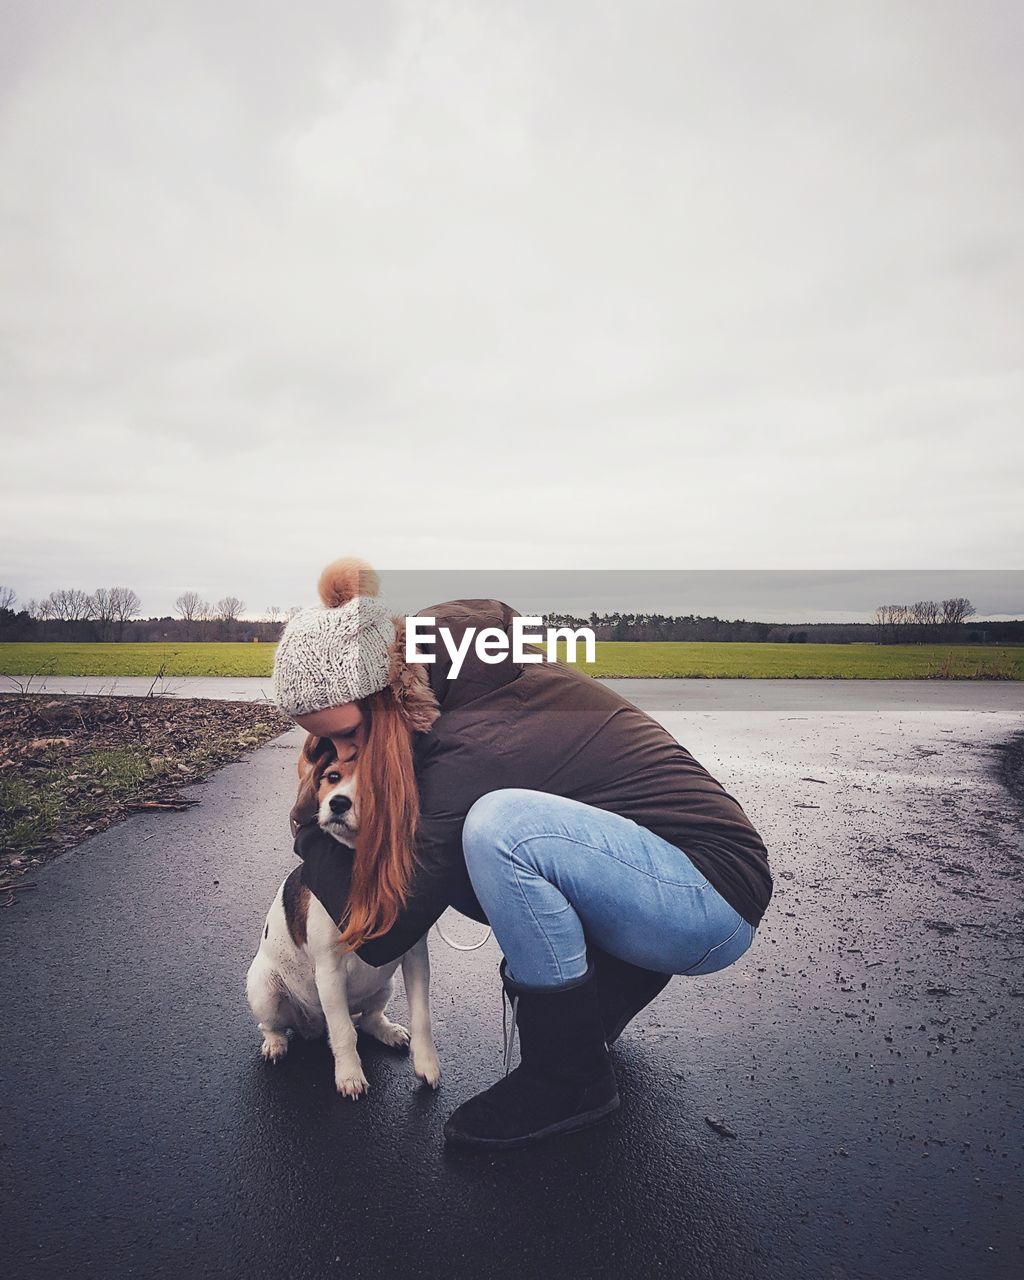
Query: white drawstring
{"type": "Point", "coordinates": [461, 946]}
{"type": "Point", "coordinates": [508, 1040]}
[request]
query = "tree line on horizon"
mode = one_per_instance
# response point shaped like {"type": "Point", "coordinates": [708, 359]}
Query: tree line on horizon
{"type": "Point", "coordinates": [112, 614]}
{"type": "Point", "coordinates": [927, 620]}
{"type": "Point", "coordinates": [924, 622]}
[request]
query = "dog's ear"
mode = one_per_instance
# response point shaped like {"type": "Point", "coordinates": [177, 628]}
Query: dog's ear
{"type": "Point", "coordinates": [410, 686]}
{"type": "Point", "coordinates": [315, 754]}
{"type": "Point", "coordinates": [314, 750]}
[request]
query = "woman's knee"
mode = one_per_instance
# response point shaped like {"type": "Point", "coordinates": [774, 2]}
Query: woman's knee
{"type": "Point", "coordinates": [725, 952]}
{"type": "Point", "coordinates": [496, 826]}
{"type": "Point", "coordinates": [490, 824]}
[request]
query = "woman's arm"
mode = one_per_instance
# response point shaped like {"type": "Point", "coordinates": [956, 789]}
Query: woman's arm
{"type": "Point", "coordinates": [327, 872]}
{"type": "Point", "coordinates": [439, 879]}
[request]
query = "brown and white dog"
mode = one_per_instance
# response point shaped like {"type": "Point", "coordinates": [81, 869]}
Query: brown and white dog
{"type": "Point", "coordinates": [302, 981]}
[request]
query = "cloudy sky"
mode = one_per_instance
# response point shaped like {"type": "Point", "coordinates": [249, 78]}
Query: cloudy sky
{"type": "Point", "coordinates": [507, 286]}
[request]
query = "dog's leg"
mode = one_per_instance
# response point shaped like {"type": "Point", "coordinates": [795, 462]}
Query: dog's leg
{"type": "Point", "coordinates": [416, 976]}
{"type": "Point", "coordinates": [341, 1033]}
{"type": "Point", "coordinates": [376, 1023]}
{"type": "Point", "coordinates": [275, 1044]}
{"type": "Point", "coordinates": [271, 1008]}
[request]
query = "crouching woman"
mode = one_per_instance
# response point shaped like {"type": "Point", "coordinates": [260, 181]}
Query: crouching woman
{"type": "Point", "coordinates": [530, 797]}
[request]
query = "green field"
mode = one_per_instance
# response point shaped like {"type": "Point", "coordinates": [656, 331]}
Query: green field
{"type": "Point", "coordinates": [809, 661]}
{"type": "Point", "coordinates": [136, 659]}
{"type": "Point", "coordinates": [614, 658]}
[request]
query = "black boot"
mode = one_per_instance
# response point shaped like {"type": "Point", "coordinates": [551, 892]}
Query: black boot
{"type": "Point", "coordinates": [564, 1081]}
{"type": "Point", "coordinates": [623, 989]}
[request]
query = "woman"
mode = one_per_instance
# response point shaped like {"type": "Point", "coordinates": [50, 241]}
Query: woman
{"type": "Point", "coordinates": [530, 797]}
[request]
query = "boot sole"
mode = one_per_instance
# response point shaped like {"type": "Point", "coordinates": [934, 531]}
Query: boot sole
{"type": "Point", "coordinates": [581, 1121]}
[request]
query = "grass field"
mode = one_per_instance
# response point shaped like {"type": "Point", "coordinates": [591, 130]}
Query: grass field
{"type": "Point", "coordinates": [136, 659]}
{"type": "Point", "coordinates": [737, 661]}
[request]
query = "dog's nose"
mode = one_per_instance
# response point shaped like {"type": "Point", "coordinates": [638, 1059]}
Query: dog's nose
{"type": "Point", "coordinates": [340, 804]}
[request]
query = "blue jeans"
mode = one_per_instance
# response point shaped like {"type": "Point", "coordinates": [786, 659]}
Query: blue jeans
{"type": "Point", "coordinates": [552, 873]}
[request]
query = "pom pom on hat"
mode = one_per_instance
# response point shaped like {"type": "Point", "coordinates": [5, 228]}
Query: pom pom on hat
{"type": "Point", "coordinates": [338, 652]}
{"type": "Point", "coordinates": [342, 580]}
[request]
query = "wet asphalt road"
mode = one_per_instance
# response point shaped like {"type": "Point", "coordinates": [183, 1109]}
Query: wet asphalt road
{"type": "Point", "coordinates": [867, 1051]}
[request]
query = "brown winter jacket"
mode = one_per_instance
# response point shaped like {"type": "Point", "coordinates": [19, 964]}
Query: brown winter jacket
{"type": "Point", "coordinates": [545, 727]}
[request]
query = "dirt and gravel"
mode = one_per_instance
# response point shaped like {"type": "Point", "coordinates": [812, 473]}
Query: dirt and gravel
{"type": "Point", "coordinates": [72, 766]}
{"type": "Point", "coordinates": [1011, 766]}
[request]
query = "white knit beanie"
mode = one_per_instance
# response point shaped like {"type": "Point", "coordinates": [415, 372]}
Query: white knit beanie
{"type": "Point", "coordinates": [338, 652]}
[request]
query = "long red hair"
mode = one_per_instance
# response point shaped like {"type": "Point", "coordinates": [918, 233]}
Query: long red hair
{"type": "Point", "coordinates": [389, 810]}
{"type": "Point", "coordinates": [388, 793]}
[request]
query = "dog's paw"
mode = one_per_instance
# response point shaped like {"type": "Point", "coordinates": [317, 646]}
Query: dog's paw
{"type": "Point", "coordinates": [274, 1046]}
{"type": "Point", "coordinates": [427, 1066]}
{"type": "Point", "coordinates": [351, 1082]}
{"type": "Point", "coordinates": [393, 1034]}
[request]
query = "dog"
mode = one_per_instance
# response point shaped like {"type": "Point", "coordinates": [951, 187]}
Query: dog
{"type": "Point", "coordinates": [302, 981]}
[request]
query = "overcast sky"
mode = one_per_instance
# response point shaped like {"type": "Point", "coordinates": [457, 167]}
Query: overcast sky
{"type": "Point", "coordinates": [507, 285]}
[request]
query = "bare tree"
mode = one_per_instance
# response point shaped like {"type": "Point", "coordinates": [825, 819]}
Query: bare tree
{"type": "Point", "coordinates": [193, 609]}
{"type": "Point", "coordinates": [7, 598]}
{"type": "Point", "coordinates": [69, 605]}
{"type": "Point", "coordinates": [926, 612]}
{"type": "Point", "coordinates": [926, 615]}
{"type": "Point", "coordinates": [889, 618]}
{"type": "Point", "coordinates": [101, 610]}
{"type": "Point", "coordinates": [189, 605]}
{"type": "Point", "coordinates": [956, 610]}
{"type": "Point", "coordinates": [291, 611]}
{"type": "Point", "coordinates": [229, 608]}
{"type": "Point", "coordinates": [125, 605]}
{"type": "Point", "coordinates": [273, 612]}
{"type": "Point", "coordinates": [895, 621]}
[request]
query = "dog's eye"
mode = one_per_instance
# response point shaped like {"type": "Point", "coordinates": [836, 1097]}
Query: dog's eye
{"type": "Point", "coordinates": [334, 776]}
